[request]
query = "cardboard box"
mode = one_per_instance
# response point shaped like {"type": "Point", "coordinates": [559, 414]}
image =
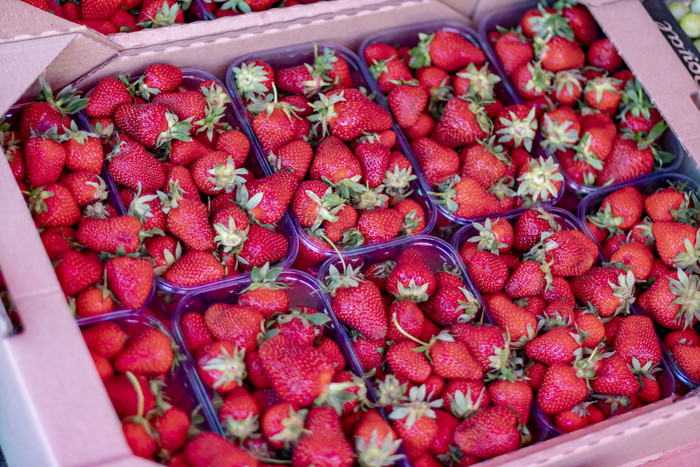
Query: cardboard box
{"type": "Point", "coordinates": [55, 410]}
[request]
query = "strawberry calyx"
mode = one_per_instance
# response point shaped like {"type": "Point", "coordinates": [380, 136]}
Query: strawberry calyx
{"type": "Point", "coordinates": [541, 81]}
{"type": "Point", "coordinates": [503, 188]}
{"type": "Point", "coordinates": [101, 190]}
{"type": "Point", "coordinates": [215, 95]}
{"type": "Point", "coordinates": [231, 367]}
{"type": "Point", "coordinates": [243, 428]}
{"type": "Point", "coordinates": [229, 237]}
{"type": "Point", "coordinates": [417, 406]}
{"type": "Point", "coordinates": [212, 122]}
{"type": "Point", "coordinates": [391, 392]}
{"type": "Point", "coordinates": [559, 134]}
{"type": "Point", "coordinates": [486, 239]}
{"type": "Point", "coordinates": [97, 210]}
{"type": "Point", "coordinates": [624, 290]}
{"type": "Point", "coordinates": [635, 101]}
{"type": "Point", "coordinates": [602, 84]}
{"type": "Point", "coordinates": [372, 454]}
{"type": "Point", "coordinates": [328, 206]}
{"type": "Point", "coordinates": [234, 5]}
{"type": "Point", "coordinates": [446, 193]}
{"type": "Point", "coordinates": [689, 210]}
{"type": "Point", "coordinates": [351, 277]}
{"type": "Point", "coordinates": [77, 134]}
{"type": "Point", "coordinates": [606, 220]}
{"type": "Point", "coordinates": [226, 176]}
{"type": "Point", "coordinates": [410, 223]}
{"type": "Point", "coordinates": [649, 141]}
{"type": "Point", "coordinates": [266, 278]}
{"type": "Point", "coordinates": [537, 184]}
{"type": "Point", "coordinates": [569, 82]}
{"type": "Point", "coordinates": [587, 361]}
{"type": "Point", "coordinates": [687, 289]}
{"type": "Point", "coordinates": [66, 101]}
{"type": "Point", "coordinates": [352, 238]}
{"type": "Point", "coordinates": [398, 181]}
{"type": "Point", "coordinates": [250, 77]}
{"type": "Point", "coordinates": [170, 259]}
{"type": "Point", "coordinates": [643, 371]}
{"type": "Point", "coordinates": [177, 130]}
{"type": "Point", "coordinates": [166, 15]}
{"type": "Point", "coordinates": [584, 152]}
{"type": "Point", "coordinates": [293, 427]}
{"type": "Point", "coordinates": [478, 108]}
{"type": "Point", "coordinates": [517, 131]}
{"type": "Point", "coordinates": [368, 198]}
{"type": "Point", "coordinates": [615, 402]}
{"type": "Point", "coordinates": [481, 81]}
{"type": "Point", "coordinates": [462, 406]}
{"type": "Point", "coordinates": [37, 200]}
{"type": "Point", "coordinates": [139, 207]}
{"type": "Point", "coordinates": [547, 25]}
{"type": "Point", "coordinates": [420, 54]}
{"type": "Point", "coordinates": [335, 395]}
{"type": "Point", "coordinates": [323, 111]}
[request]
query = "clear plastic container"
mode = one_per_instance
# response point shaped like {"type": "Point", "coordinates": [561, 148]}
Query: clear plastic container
{"type": "Point", "coordinates": [181, 390]}
{"type": "Point", "coordinates": [191, 79]}
{"type": "Point", "coordinates": [509, 18]}
{"type": "Point", "coordinates": [648, 185]}
{"type": "Point", "coordinates": [302, 289]}
{"type": "Point", "coordinates": [296, 55]}
{"type": "Point", "coordinates": [408, 36]}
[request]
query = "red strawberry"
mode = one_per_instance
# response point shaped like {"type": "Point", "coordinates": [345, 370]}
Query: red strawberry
{"type": "Point", "coordinates": [676, 244]}
{"type": "Point", "coordinates": [688, 358]}
{"type": "Point", "coordinates": [40, 117]}
{"type": "Point", "coordinates": [407, 102]}
{"type": "Point", "coordinates": [93, 302]}
{"type": "Point", "coordinates": [561, 389]}
{"type": "Point", "coordinates": [488, 271]}
{"type": "Point", "coordinates": [76, 271]}
{"type": "Point", "coordinates": [106, 339]}
{"type": "Point", "coordinates": [110, 235]}
{"type": "Point", "coordinates": [296, 156]}
{"type": "Point", "coordinates": [149, 124]}
{"type": "Point", "coordinates": [608, 289]}
{"type": "Point", "coordinates": [263, 246]}
{"type": "Point", "coordinates": [54, 206]}
{"type": "Point", "coordinates": [324, 443]}
{"type": "Point", "coordinates": [125, 391]}
{"type": "Point", "coordinates": [664, 303]}
{"type": "Point", "coordinates": [614, 377]}
{"type": "Point", "coordinates": [628, 159]}
{"type": "Point", "coordinates": [560, 54]}
{"type": "Point", "coordinates": [582, 23]}
{"type": "Point", "coordinates": [188, 221]}
{"type": "Point", "coordinates": [172, 427]}
{"type": "Point", "coordinates": [461, 122]}
{"type": "Point", "coordinates": [374, 159]}
{"type": "Point", "coordinates": [276, 192]}
{"type": "Point", "coordinates": [149, 353]}
{"type": "Point", "coordinates": [554, 346]}
{"type": "Point", "coordinates": [283, 424]}
{"type": "Point", "coordinates": [137, 170]}
{"type": "Point", "coordinates": [208, 448]}
{"type": "Point", "coordinates": [194, 331]}
{"type": "Point", "coordinates": [185, 104]}
{"type": "Point", "coordinates": [335, 161]}
{"type": "Point", "coordinates": [253, 78]}
{"type": "Point", "coordinates": [447, 50]}
{"type": "Point", "coordinates": [489, 433]}
{"type": "Point", "coordinates": [265, 293]}
{"type": "Point", "coordinates": [131, 280]}
{"type": "Point", "coordinates": [517, 395]}
{"type": "Point", "coordinates": [359, 304]}
{"type": "Point", "coordinates": [106, 96]}
{"type": "Point", "coordinates": [237, 323]}
{"type": "Point", "coordinates": [509, 316]}
{"type": "Point", "coordinates": [636, 338]}
{"type": "Point", "coordinates": [389, 72]}
{"type": "Point", "coordinates": [221, 365]}
{"type": "Point", "coordinates": [380, 224]}
{"type": "Point", "coordinates": [195, 268]}
{"type": "Point", "coordinates": [44, 159]}
{"type": "Point", "coordinates": [437, 161]}
{"type": "Point", "coordinates": [635, 256]}
{"type": "Point", "coordinates": [513, 51]}
{"type": "Point", "coordinates": [602, 54]}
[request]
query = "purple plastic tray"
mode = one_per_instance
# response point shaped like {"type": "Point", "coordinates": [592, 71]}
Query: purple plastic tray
{"type": "Point", "coordinates": [303, 290]}
{"type": "Point", "coordinates": [647, 186]}
{"type": "Point", "coordinates": [191, 78]}
{"type": "Point", "coordinates": [181, 390]}
{"type": "Point", "coordinates": [408, 36]}
{"type": "Point", "coordinates": [296, 55]}
{"type": "Point", "coordinates": [509, 18]}
{"type": "Point", "coordinates": [12, 117]}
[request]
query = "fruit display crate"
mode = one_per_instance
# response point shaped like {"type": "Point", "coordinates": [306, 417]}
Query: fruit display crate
{"type": "Point", "coordinates": [69, 426]}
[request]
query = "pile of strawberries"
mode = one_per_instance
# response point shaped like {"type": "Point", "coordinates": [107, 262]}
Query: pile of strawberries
{"type": "Point", "coordinates": [592, 112]}
{"type": "Point", "coordinates": [114, 16]}
{"type": "Point", "coordinates": [57, 166]}
{"type": "Point", "coordinates": [281, 386]}
{"type": "Point", "coordinates": [540, 283]}
{"type": "Point", "coordinates": [474, 152]}
{"type": "Point", "coordinates": [654, 234]}
{"type": "Point", "coordinates": [411, 324]}
{"type": "Point", "coordinates": [180, 169]}
{"type": "Point", "coordinates": [238, 7]}
{"type": "Point", "coordinates": [136, 360]}
{"type": "Point", "coordinates": [355, 187]}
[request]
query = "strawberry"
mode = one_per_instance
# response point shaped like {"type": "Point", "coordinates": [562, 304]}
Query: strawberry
{"type": "Point", "coordinates": [283, 424]}
{"type": "Point", "coordinates": [274, 129]}
{"type": "Point", "coordinates": [265, 293]}
{"type": "Point", "coordinates": [54, 206]}
{"type": "Point", "coordinates": [450, 304]}
{"type": "Point", "coordinates": [98, 9]}
{"type": "Point", "coordinates": [237, 323]}
{"type": "Point", "coordinates": [184, 104]}
{"type": "Point", "coordinates": [466, 197]}
{"type": "Point", "coordinates": [220, 365]}
{"type": "Point", "coordinates": [83, 151]}
{"type": "Point", "coordinates": [324, 442]}
{"type": "Point", "coordinates": [44, 159]}
{"type": "Point", "coordinates": [110, 235]}
{"type": "Point", "coordinates": [516, 126]}
{"type": "Point", "coordinates": [686, 336]}
{"type": "Point", "coordinates": [628, 159]}
{"type": "Point", "coordinates": [106, 96]}
{"type": "Point", "coordinates": [374, 159]}
{"type": "Point", "coordinates": [602, 54]}
{"type": "Point", "coordinates": [614, 377]}
{"type": "Point", "coordinates": [451, 359]}
{"type": "Point", "coordinates": [125, 391]}
{"type": "Point", "coordinates": [636, 339]}
{"type": "Point", "coordinates": [517, 395]}
{"type": "Point", "coordinates": [526, 281]}
{"type": "Point", "coordinates": [124, 21]}
{"type": "Point", "coordinates": [216, 172]}
{"type": "Point", "coordinates": [407, 102]}
{"type": "Point", "coordinates": [137, 170]}
{"type": "Point", "coordinates": [406, 362]}
{"type": "Point", "coordinates": [688, 359]}
{"type": "Point", "coordinates": [195, 268]}
{"type": "Point", "coordinates": [131, 280]}
{"type": "Point", "coordinates": [149, 353]}
{"type": "Point", "coordinates": [298, 373]}
{"type": "Point", "coordinates": [608, 289]}
{"type": "Point", "coordinates": [346, 125]}
{"type": "Point", "coordinates": [172, 427]}
{"type": "Point", "coordinates": [437, 161]}
{"type": "Point", "coordinates": [462, 122]}
{"type": "Point", "coordinates": [234, 143]}
{"type": "Point", "coordinates": [379, 51]}
{"type": "Point", "coordinates": [554, 346]}
{"type": "Point", "coordinates": [530, 226]}
{"type": "Point", "coordinates": [380, 224]}
{"type": "Point", "coordinates": [509, 316]}
{"type": "Point", "coordinates": [239, 414]}
{"type": "Point", "coordinates": [531, 81]}
{"type": "Point", "coordinates": [447, 50]}
{"type": "Point", "coordinates": [570, 254]}
{"type": "Point", "coordinates": [560, 53]}
{"type": "Point", "coordinates": [604, 94]}
{"type": "Point", "coordinates": [513, 51]}
{"type": "Point", "coordinates": [375, 437]}
{"type": "Point", "coordinates": [76, 271]}
{"type": "Point", "coordinates": [581, 22]}
{"type": "Point", "coordinates": [141, 442]}
{"type": "Point", "coordinates": [104, 367]}
{"type": "Point", "coordinates": [414, 422]}
{"type": "Point", "coordinates": [568, 86]}
{"type": "Point", "coordinates": [334, 161]}
{"type": "Point", "coordinates": [672, 300]}
{"type": "Point", "coordinates": [661, 205]}
{"type": "Point", "coordinates": [561, 389]}
{"type": "Point", "coordinates": [488, 271]}
{"type": "Point", "coordinates": [296, 156]}
{"type": "Point", "coordinates": [263, 246]}
{"type": "Point", "coordinates": [635, 256]}
{"type": "Point", "coordinates": [254, 78]}
{"type": "Point", "coordinates": [194, 331]}
{"type": "Point", "coordinates": [106, 339]}
{"type": "Point", "coordinates": [389, 72]}
{"type": "Point", "coordinates": [423, 127]}
{"type": "Point", "coordinates": [208, 448]}
{"type": "Point", "coordinates": [489, 433]}
{"type": "Point", "coordinates": [188, 221]}
{"type": "Point", "coordinates": [93, 302]}
{"type": "Point", "coordinates": [276, 192]}
{"type": "Point", "coordinates": [676, 244]}
{"type": "Point", "coordinates": [40, 117]}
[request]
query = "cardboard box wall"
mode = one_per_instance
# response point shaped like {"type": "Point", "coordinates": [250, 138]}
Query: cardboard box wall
{"type": "Point", "coordinates": [54, 411]}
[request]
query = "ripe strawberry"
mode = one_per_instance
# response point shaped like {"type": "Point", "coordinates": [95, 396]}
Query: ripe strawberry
{"type": "Point", "coordinates": [561, 389]}
{"type": "Point", "coordinates": [568, 86]}
{"type": "Point", "coordinates": [263, 246]}
{"type": "Point", "coordinates": [296, 156]}
{"type": "Point", "coordinates": [239, 414]}
{"type": "Point", "coordinates": [614, 377]}
{"type": "Point", "coordinates": [676, 244]}
{"type": "Point", "coordinates": [573, 255]}
{"type": "Point", "coordinates": [437, 161]}
{"type": "Point", "coordinates": [462, 122]}
{"type": "Point", "coordinates": [124, 21]}
{"type": "Point", "coordinates": [554, 346]}
{"type": "Point", "coordinates": [517, 394]}
{"type": "Point", "coordinates": [602, 54]}
{"type": "Point", "coordinates": [374, 159]}
{"type": "Point", "coordinates": [466, 197]}
{"type": "Point", "coordinates": [220, 365]}
{"type": "Point", "coordinates": [628, 159]}
{"type": "Point", "coordinates": [635, 256]}
{"type": "Point", "coordinates": [670, 300]}
{"type": "Point", "coordinates": [130, 279]}
{"type": "Point", "coordinates": [530, 226]}
{"type": "Point", "coordinates": [688, 358]}
{"type": "Point", "coordinates": [234, 143]}
{"type": "Point", "coordinates": [44, 160]}
{"type": "Point", "coordinates": [172, 427]}
{"type": "Point", "coordinates": [150, 124]}
{"type": "Point", "coordinates": [76, 271]}
{"type": "Point", "coordinates": [148, 353]}
{"type": "Point", "coordinates": [380, 224]}
{"type": "Point", "coordinates": [237, 323]}
{"type": "Point", "coordinates": [603, 94]}
{"type": "Point", "coordinates": [106, 339]}
{"type": "Point", "coordinates": [379, 51]}
{"type": "Point", "coordinates": [415, 423]}
{"type": "Point", "coordinates": [484, 162]}
{"type": "Point", "coordinates": [407, 102]}
{"type": "Point", "coordinates": [447, 50]}
{"type": "Point", "coordinates": [509, 316]}
{"type": "Point", "coordinates": [488, 271]}
{"type": "Point", "coordinates": [110, 235]}
{"type": "Point", "coordinates": [526, 281]}
{"type": "Point", "coordinates": [93, 302]}
{"type": "Point", "coordinates": [298, 373]}
{"type": "Point", "coordinates": [106, 96]}
{"type": "Point", "coordinates": [283, 424]}
{"type": "Point", "coordinates": [636, 338]}
{"type": "Point", "coordinates": [54, 206]}
{"type": "Point", "coordinates": [141, 442]}
{"type": "Point", "coordinates": [184, 104]}
{"type": "Point", "coordinates": [188, 221]}
{"type": "Point", "coordinates": [195, 268]}
{"type": "Point", "coordinates": [97, 9]}
{"type": "Point", "coordinates": [40, 117]}
{"type": "Point", "coordinates": [489, 433]}
{"type": "Point", "coordinates": [686, 336]}
{"type": "Point", "coordinates": [516, 126]}
{"type": "Point", "coordinates": [513, 51]}
{"type": "Point", "coordinates": [324, 443]}
{"type": "Point", "coordinates": [607, 289]}
{"type": "Point", "coordinates": [276, 192]}
{"type": "Point", "coordinates": [405, 362]}
{"type": "Point", "coordinates": [451, 359]}
{"type": "Point", "coordinates": [581, 22]}
{"type": "Point", "coordinates": [561, 54]}
{"type": "Point", "coordinates": [137, 170]}
{"type": "Point", "coordinates": [208, 448]}
{"type": "Point", "coordinates": [125, 391]}
{"type": "Point", "coordinates": [660, 205]}
{"type": "Point", "coordinates": [194, 331]}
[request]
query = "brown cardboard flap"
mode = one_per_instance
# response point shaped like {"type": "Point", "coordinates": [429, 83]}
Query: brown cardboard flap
{"type": "Point", "coordinates": [465, 7]}
{"type": "Point", "coordinates": [20, 21]}
{"type": "Point", "coordinates": [649, 55]}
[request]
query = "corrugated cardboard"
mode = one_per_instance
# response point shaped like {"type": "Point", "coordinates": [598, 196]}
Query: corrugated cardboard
{"type": "Point", "coordinates": [56, 411]}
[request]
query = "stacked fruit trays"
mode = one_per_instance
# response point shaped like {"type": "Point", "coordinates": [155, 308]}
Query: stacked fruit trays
{"type": "Point", "coordinates": [373, 260]}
